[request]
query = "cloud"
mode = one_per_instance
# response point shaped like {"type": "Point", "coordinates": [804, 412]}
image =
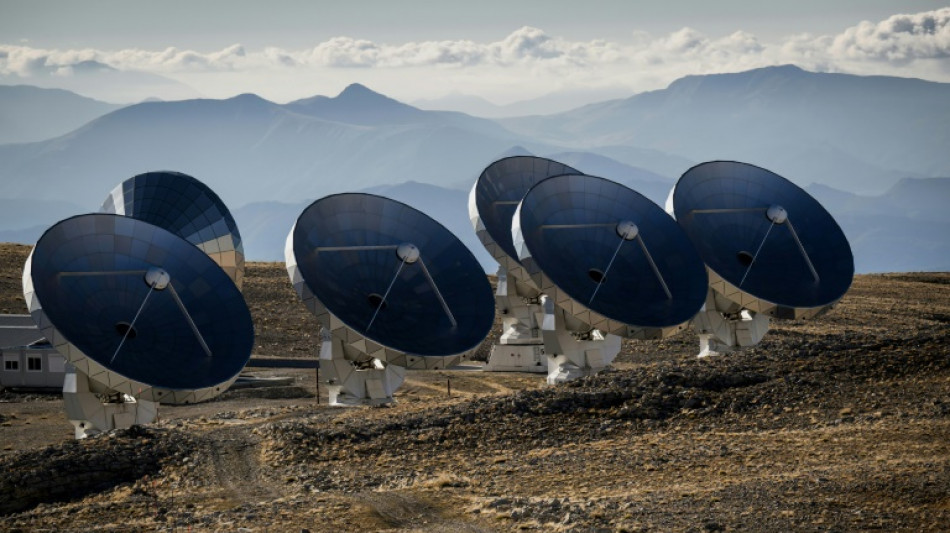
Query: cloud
{"type": "Point", "coordinates": [173, 60]}
{"type": "Point", "coordinates": [527, 59]}
{"type": "Point", "coordinates": [898, 39]}
{"type": "Point", "coordinates": [524, 45]}
{"type": "Point", "coordinates": [28, 62]}
{"type": "Point", "coordinates": [343, 52]}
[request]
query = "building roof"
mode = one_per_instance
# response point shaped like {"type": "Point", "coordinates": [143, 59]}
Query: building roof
{"type": "Point", "coordinates": [17, 330]}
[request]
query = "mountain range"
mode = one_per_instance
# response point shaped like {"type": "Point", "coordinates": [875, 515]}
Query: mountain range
{"type": "Point", "coordinates": [29, 114]}
{"type": "Point", "coordinates": [98, 80]}
{"type": "Point", "coordinates": [547, 104]}
{"type": "Point", "coordinates": [248, 148]}
{"type": "Point", "coordinates": [864, 146]}
{"type": "Point", "coordinates": [855, 133]}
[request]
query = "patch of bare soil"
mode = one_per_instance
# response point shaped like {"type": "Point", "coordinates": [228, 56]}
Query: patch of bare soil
{"type": "Point", "coordinates": [839, 424]}
{"type": "Point", "coordinates": [12, 258]}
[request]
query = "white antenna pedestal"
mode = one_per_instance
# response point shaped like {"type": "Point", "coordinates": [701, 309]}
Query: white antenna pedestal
{"type": "Point", "coordinates": [89, 415]}
{"type": "Point", "coordinates": [723, 326]}
{"type": "Point", "coordinates": [570, 357]}
{"type": "Point", "coordinates": [520, 348]}
{"type": "Point", "coordinates": [355, 379]}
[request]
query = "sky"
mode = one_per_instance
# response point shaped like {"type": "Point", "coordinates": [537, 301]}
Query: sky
{"type": "Point", "coordinates": [503, 51]}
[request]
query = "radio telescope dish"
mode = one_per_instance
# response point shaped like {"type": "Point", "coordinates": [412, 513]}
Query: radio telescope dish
{"type": "Point", "coordinates": [495, 196]}
{"type": "Point", "coordinates": [608, 256]}
{"type": "Point", "coordinates": [491, 204]}
{"type": "Point", "coordinates": [186, 207]}
{"type": "Point", "coordinates": [139, 312]}
{"type": "Point", "coordinates": [390, 287]}
{"type": "Point", "coordinates": [769, 247]}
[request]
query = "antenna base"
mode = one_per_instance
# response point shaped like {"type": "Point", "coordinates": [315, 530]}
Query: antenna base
{"type": "Point", "coordinates": [516, 358]}
{"type": "Point", "coordinates": [568, 357]}
{"type": "Point", "coordinates": [709, 346]}
{"type": "Point", "coordinates": [520, 347]}
{"type": "Point", "coordinates": [367, 381]}
{"type": "Point", "coordinates": [89, 415]}
{"type": "Point", "coordinates": [578, 359]}
{"type": "Point", "coordinates": [723, 326]}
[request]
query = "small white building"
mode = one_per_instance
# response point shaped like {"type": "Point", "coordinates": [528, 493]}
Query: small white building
{"type": "Point", "coordinates": [27, 360]}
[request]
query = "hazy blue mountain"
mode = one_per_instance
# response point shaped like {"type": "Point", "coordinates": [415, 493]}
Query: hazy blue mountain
{"type": "Point", "coordinates": [600, 165]}
{"type": "Point", "coordinates": [24, 235]}
{"type": "Point", "coordinates": [913, 198]}
{"type": "Point", "coordinates": [32, 211]}
{"type": "Point", "coordinates": [25, 220]}
{"type": "Point", "coordinates": [358, 105]}
{"type": "Point", "coordinates": [102, 82]}
{"type": "Point", "coordinates": [845, 133]}
{"type": "Point", "coordinates": [851, 132]}
{"type": "Point", "coordinates": [465, 103]}
{"type": "Point", "coordinates": [903, 229]}
{"type": "Point", "coordinates": [510, 152]}
{"type": "Point", "coordinates": [247, 148]}
{"type": "Point", "coordinates": [918, 198]}
{"type": "Point", "coordinates": [361, 106]}
{"type": "Point", "coordinates": [554, 102]}
{"type": "Point", "coordinates": [892, 243]}
{"type": "Point", "coordinates": [30, 113]}
{"type": "Point", "coordinates": [264, 227]}
{"type": "Point", "coordinates": [668, 165]}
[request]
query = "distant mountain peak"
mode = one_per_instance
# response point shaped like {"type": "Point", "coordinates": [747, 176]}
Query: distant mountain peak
{"type": "Point", "coordinates": [91, 65]}
{"type": "Point", "coordinates": [357, 89]}
{"type": "Point", "coordinates": [29, 114]}
{"type": "Point", "coordinates": [515, 151]}
{"type": "Point", "coordinates": [763, 73]}
{"type": "Point", "coordinates": [248, 101]}
{"type": "Point", "coordinates": [357, 104]}
{"type": "Point", "coordinates": [780, 68]}
{"type": "Point", "coordinates": [356, 93]}
{"type": "Point", "coordinates": [246, 97]}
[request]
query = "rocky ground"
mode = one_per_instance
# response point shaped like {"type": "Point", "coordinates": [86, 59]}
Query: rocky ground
{"type": "Point", "coordinates": [837, 424]}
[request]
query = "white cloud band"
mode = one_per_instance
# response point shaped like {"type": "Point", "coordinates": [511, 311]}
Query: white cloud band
{"type": "Point", "coordinates": [894, 43]}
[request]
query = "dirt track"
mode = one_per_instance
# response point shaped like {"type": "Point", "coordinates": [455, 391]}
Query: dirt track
{"type": "Point", "coordinates": [838, 424]}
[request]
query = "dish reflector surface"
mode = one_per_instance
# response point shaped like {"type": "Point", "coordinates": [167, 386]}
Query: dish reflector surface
{"type": "Point", "coordinates": [88, 288]}
{"type": "Point", "coordinates": [768, 244]}
{"type": "Point", "coordinates": [609, 256]}
{"type": "Point", "coordinates": [495, 197]}
{"type": "Point", "coordinates": [388, 279]}
{"type": "Point", "coordinates": [186, 207]}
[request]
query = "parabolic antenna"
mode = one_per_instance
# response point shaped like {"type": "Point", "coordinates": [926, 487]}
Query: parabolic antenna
{"type": "Point", "coordinates": [388, 283]}
{"type": "Point", "coordinates": [770, 250]}
{"type": "Point", "coordinates": [495, 196]}
{"type": "Point", "coordinates": [491, 204]}
{"type": "Point", "coordinates": [608, 256]}
{"type": "Point", "coordinates": [769, 246]}
{"type": "Point", "coordinates": [137, 309]}
{"type": "Point", "coordinates": [186, 207]}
